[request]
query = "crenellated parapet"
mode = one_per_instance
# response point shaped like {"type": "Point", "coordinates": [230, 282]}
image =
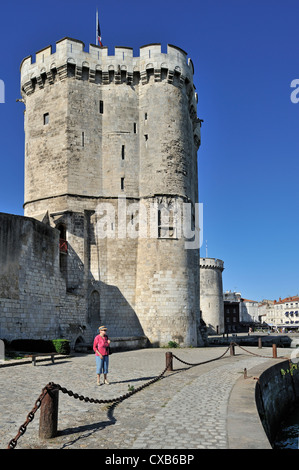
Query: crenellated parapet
{"type": "Point", "coordinates": [211, 263]}
{"type": "Point", "coordinates": [70, 60]}
{"type": "Point", "coordinates": [97, 66]}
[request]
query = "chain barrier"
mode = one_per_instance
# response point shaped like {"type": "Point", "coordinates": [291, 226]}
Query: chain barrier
{"type": "Point", "coordinates": [22, 429]}
{"type": "Point", "coordinates": [254, 354]}
{"type": "Point", "coordinates": [109, 400]}
{"type": "Point", "coordinates": [13, 442]}
{"type": "Point", "coordinates": [200, 363]}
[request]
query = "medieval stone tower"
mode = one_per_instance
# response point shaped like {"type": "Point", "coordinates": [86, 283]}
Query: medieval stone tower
{"type": "Point", "coordinates": [211, 294]}
{"type": "Point", "coordinates": [107, 140]}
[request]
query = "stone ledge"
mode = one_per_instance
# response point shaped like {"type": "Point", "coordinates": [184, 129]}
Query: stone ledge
{"type": "Point", "coordinates": [244, 427]}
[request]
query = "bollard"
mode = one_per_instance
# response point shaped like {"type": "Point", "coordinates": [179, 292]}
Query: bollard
{"type": "Point", "coordinates": [274, 350]}
{"type": "Point", "coordinates": [169, 362]}
{"type": "Point", "coordinates": [49, 414]}
{"type": "Point", "coordinates": [232, 349]}
{"type": "Point", "coordinates": [260, 343]}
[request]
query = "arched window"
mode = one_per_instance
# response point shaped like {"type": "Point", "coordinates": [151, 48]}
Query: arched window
{"type": "Point", "coordinates": [63, 250]}
{"type": "Point", "coordinates": [62, 239]}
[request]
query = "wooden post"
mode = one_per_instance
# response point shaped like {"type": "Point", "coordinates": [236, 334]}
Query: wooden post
{"type": "Point", "coordinates": [260, 343]}
{"type": "Point", "coordinates": [232, 349]}
{"type": "Point", "coordinates": [274, 350]}
{"type": "Point", "coordinates": [49, 414]}
{"type": "Point", "coordinates": [169, 362]}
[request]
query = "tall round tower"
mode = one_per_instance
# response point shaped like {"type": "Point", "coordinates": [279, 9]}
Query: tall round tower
{"type": "Point", "coordinates": [167, 282]}
{"type": "Point", "coordinates": [211, 294]}
{"type": "Point", "coordinates": [115, 138]}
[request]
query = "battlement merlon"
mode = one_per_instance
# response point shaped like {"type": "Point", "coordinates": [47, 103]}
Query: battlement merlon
{"type": "Point", "coordinates": [211, 263]}
{"type": "Point", "coordinates": [97, 59]}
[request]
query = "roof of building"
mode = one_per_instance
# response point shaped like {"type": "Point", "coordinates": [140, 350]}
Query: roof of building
{"type": "Point", "coordinates": [295, 298]}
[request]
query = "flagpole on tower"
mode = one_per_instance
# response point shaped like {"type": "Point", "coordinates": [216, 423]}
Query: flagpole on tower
{"type": "Point", "coordinates": [97, 22]}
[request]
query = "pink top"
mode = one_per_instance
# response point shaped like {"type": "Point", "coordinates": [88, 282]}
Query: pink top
{"type": "Point", "coordinates": [100, 345]}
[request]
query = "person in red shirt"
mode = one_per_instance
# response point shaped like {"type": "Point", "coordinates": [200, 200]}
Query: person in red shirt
{"type": "Point", "coordinates": [101, 348]}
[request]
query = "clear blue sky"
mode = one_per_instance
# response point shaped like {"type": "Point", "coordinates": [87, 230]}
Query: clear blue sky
{"type": "Point", "coordinates": [245, 53]}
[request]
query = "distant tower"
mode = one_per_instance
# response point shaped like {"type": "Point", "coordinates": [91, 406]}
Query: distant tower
{"type": "Point", "coordinates": [211, 294]}
{"type": "Point", "coordinates": [116, 130]}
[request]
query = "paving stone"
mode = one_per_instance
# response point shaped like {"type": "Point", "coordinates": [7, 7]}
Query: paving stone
{"type": "Point", "coordinates": [187, 408]}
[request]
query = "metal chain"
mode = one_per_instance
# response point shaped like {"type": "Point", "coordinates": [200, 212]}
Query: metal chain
{"type": "Point", "coordinates": [200, 363]}
{"type": "Point", "coordinates": [110, 400]}
{"type": "Point", "coordinates": [22, 429]}
{"type": "Point", "coordinates": [13, 442]}
{"type": "Point", "coordinates": [254, 354]}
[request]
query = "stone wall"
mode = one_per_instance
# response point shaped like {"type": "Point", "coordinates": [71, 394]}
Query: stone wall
{"type": "Point", "coordinates": [33, 299]}
{"type": "Point", "coordinates": [277, 391]}
{"type": "Point", "coordinates": [37, 299]}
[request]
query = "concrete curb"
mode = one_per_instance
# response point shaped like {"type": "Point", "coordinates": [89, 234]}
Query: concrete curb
{"type": "Point", "coordinates": [244, 427]}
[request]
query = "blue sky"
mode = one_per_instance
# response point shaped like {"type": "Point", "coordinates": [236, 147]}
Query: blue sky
{"type": "Point", "coordinates": [246, 54]}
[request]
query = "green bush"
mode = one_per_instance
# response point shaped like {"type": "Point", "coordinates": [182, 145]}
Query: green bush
{"type": "Point", "coordinates": [173, 344]}
{"type": "Point", "coordinates": [62, 346]}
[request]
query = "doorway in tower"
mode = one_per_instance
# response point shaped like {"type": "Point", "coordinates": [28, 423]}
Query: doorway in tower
{"type": "Point", "coordinates": [94, 318]}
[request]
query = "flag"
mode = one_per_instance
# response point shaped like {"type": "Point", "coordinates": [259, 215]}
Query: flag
{"type": "Point", "coordinates": [99, 35]}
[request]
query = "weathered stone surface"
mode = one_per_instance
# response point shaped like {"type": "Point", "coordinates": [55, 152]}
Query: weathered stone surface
{"type": "Point", "coordinates": [98, 127]}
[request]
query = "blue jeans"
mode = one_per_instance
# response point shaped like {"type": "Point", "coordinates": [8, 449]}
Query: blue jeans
{"type": "Point", "coordinates": [102, 364]}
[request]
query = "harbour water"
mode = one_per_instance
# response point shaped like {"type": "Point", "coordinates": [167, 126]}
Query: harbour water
{"type": "Point", "coordinates": [288, 437]}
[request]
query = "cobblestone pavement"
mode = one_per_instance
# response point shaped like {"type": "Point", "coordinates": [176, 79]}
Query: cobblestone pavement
{"type": "Point", "coordinates": [186, 409]}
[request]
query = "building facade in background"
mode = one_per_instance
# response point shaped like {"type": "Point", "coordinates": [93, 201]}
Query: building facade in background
{"type": "Point", "coordinates": [283, 314]}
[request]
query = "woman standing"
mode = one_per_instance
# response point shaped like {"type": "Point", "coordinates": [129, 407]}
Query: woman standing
{"type": "Point", "coordinates": [101, 349]}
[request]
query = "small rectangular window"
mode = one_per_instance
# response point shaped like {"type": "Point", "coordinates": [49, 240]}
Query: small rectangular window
{"type": "Point", "coordinates": [122, 184]}
{"type": "Point", "coordinates": [145, 116]}
{"type": "Point", "coordinates": [122, 152]}
{"type": "Point", "coordinates": [101, 107]}
{"type": "Point", "coordinates": [46, 118]}
{"type": "Point", "coordinates": [135, 128]}
{"type": "Point", "coordinates": [83, 138]}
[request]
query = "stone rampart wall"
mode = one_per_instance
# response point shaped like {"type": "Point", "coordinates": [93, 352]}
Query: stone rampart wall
{"type": "Point", "coordinates": [33, 299]}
